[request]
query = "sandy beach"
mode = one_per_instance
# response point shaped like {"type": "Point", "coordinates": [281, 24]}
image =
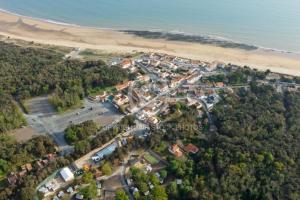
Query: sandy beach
{"type": "Point", "coordinates": [111, 41]}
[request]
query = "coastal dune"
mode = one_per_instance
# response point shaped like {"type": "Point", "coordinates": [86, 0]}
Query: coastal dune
{"type": "Point", "coordinates": [112, 41]}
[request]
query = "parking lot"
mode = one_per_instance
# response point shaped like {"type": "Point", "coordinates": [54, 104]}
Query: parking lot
{"type": "Point", "coordinates": [46, 121]}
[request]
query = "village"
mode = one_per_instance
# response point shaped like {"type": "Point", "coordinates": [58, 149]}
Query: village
{"type": "Point", "coordinates": [161, 80]}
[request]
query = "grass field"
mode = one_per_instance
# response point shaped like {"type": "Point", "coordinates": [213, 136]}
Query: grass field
{"type": "Point", "coordinates": [150, 159]}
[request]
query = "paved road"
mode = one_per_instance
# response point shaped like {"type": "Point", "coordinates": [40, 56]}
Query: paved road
{"type": "Point", "coordinates": [86, 159]}
{"type": "Point", "coordinates": [55, 124]}
{"type": "Point", "coordinates": [122, 176]}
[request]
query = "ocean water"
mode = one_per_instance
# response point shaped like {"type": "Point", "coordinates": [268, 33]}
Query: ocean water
{"type": "Point", "coordinates": [265, 23]}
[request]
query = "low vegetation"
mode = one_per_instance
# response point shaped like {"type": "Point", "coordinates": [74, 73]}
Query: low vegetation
{"type": "Point", "coordinates": [142, 182]}
{"type": "Point", "coordinates": [75, 133]}
{"type": "Point", "coordinates": [10, 115]}
{"type": "Point", "coordinates": [13, 155]}
{"type": "Point", "coordinates": [83, 145]}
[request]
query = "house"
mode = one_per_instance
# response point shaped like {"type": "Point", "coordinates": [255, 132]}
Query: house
{"type": "Point", "coordinates": [190, 148]}
{"type": "Point", "coordinates": [66, 174]}
{"type": "Point", "coordinates": [190, 101]}
{"type": "Point", "coordinates": [105, 151]}
{"type": "Point", "coordinates": [129, 182]}
{"type": "Point", "coordinates": [70, 190]}
{"type": "Point", "coordinates": [155, 63]}
{"type": "Point", "coordinates": [79, 196]}
{"type": "Point", "coordinates": [133, 69]}
{"type": "Point", "coordinates": [12, 178]}
{"type": "Point", "coordinates": [198, 105]}
{"type": "Point", "coordinates": [173, 66]}
{"type": "Point", "coordinates": [175, 81]}
{"type": "Point", "coordinates": [165, 110]}
{"type": "Point", "coordinates": [115, 61]}
{"type": "Point", "coordinates": [148, 168]}
{"type": "Point", "coordinates": [123, 86]}
{"type": "Point", "coordinates": [136, 96]}
{"type": "Point", "coordinates": [49, 185]}
{"type": "Point", "coordinates": [214, 65]}
{"type": "Point", "coordinates": [126, 63]}
{"type": "Point", "coordinates": [161, 87]}
{"type": "Point", "coordinates": [229, 90]}
{"type": "Point", "coordinates": [175, 150]}
{"type": "Point", "coordinates": [193, 78]}
{"type": "Point", "coordinates": [273, 76]}
{"type": "Point", "coordinates": [22, 173]}
{"type": "Point", "coordinates": [99, 97]}
{"type": "Point", "coordinates": [120, 99]}
{"type": "Point", "coordinates": [157, 175]}
{"type": "Point", "coordinates": [144, 78]}
{"type": "Point", "coordinates": [23, 167]}
{"type": "Point", "coordinates": [135, 190]}
{"type": "Point", "coordinates": [147, 96]}
{"type": "Point", "coordinates": [178, 181]}
{"type": "Point", "coordinates": [28, 167]}
{"type": "Point", "coordinates": [219, 84]}
{"type": "Point", "coordinates": [61, 194]}
{"type": "Point", "coordinates": [45, 162]}
{"type": "Point", "coordinates": [161, 180]}
{"type": "Point", "coordinates": [55, 198]}
{"type": "Point", "coordinates": [153, 120]}
{"type": "Point", "coordinates": [150, 110]}
{"type": "Point", "coordinates": [199, 93]}
{"type": "Point", "coordinates": [98, 174]}
{"type": "Point", "coordinates": [131, 108]}
{"type": "Point", "coordinates": [151, 186]}
{"type": "Point", "coordinates": [164, 75]}
{"type": "Point", "coordinates": [44, 191]}
{"type": "Point", "coordinates": [39, 164]}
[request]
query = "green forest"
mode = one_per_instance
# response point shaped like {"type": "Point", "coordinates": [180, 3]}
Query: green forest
{"type": "Point", "coordinates": [77, 132]}
{"type": "Point", "coordinates": [254, 154]}
{"type": "Point", "coordinates": [28, 72]}
{"type": "Point", "coordinates": [13, 155]}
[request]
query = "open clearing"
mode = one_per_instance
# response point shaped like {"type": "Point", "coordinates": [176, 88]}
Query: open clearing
{"type": "Point", "coordinates": [43, 118]}
{"type": "Point", "coordinates": [23, 134]}
{"type": "Point", "coordinates": [113, 183]}
{"type": "Point", "coordinates": [40, 106]}
{"type": "Point", "coordinates": [152, 160]}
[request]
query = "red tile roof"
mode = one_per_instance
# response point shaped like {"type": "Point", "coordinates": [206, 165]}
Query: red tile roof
{"type": "Point", "coordinates": [191, 148]}
{"type": "Point", "coordinates": [176, 150]}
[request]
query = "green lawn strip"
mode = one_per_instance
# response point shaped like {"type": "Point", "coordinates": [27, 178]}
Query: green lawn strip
{"type": "Point", "coordinates": [152, 160]}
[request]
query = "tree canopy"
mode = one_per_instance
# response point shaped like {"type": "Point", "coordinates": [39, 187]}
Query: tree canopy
{"type": "Point", "coordinates": [27, 72]}
{"type": "Point", "coordinates": [254, 154]}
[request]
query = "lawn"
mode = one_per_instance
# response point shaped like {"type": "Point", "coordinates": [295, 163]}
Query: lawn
{"type": "Point", "coordinates": [152, 160]}
{"type": "Point", "coordinates": [100, 90]}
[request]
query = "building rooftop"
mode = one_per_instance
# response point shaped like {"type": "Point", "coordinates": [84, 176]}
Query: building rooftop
{"type": "Point", "coordinates": [66, 174]}
{"type": "Point", "coordinates": [191, 148]}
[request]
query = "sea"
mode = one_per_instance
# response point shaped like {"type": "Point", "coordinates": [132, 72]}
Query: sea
{"type": "Point", "coordinates": [270, 24]}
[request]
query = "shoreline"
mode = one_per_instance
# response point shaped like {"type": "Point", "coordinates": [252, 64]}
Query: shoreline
{"type": "Point", "coordinates": [111, 40]}
{"type": "Point", "coordinates": [160, 34]}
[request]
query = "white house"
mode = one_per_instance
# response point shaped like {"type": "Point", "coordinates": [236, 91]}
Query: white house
{"type": "Point", "coordinates": [193, 78]}
{"type": "Point", "coordinates": [66, 174]}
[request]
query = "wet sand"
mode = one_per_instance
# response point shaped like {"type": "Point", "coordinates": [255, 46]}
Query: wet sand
{"type": "Point", "coordinates": [113, 41]}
